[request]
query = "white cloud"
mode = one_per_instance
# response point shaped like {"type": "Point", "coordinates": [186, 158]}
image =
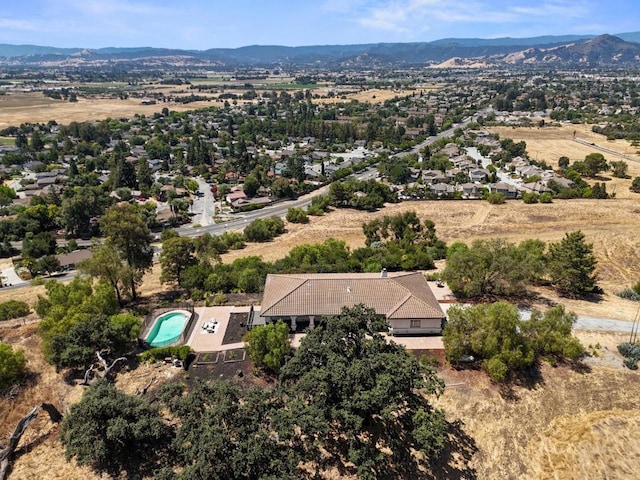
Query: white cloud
{"type": "Point", "coordinates": [11, 24]}
{"type": "Point", "coordinates": [402, 16]}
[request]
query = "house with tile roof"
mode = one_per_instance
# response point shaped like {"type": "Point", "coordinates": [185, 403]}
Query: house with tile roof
{"type": "Point", "coordinates": [404, 298]}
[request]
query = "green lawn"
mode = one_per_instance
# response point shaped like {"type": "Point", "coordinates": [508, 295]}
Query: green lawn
{"type": "Point", "coordinates": [8, 141]}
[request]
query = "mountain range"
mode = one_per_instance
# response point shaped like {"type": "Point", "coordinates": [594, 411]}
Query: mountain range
{"type": "Point", "coordinates": [588, 50]}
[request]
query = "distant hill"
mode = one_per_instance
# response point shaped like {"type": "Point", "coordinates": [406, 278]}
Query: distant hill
{"type": "Point", "coordinates": [601, 50]}
{"type": "Point", "coordinates": [9, 51]}
{"type": "Point", "coordinates": [510, 41]}
{"type": "Point", "coordinates": [569, 49]}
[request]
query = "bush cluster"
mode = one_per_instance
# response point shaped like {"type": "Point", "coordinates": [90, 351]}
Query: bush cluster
{"type": "Point", "coordinates": [13, 309]}
{"type": "Point", "coordinates": [160, 353]}
{"type": "Point", "coordinates": [631, 354]}
{"type": "Point", "coordinates": [629, 294]}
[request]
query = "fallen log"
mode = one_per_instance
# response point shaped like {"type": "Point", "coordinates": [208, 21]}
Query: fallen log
{"type": "Point", "coordinates": [14, 439]}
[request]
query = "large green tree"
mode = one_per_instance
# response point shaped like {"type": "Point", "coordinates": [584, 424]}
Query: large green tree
{"type": "Point", "coordinates": [496, 335]}
{"type": "Point", "coordinates": [76, 347]}
{"type": "Point", "coordinates": [127, 231]}
{"type": "Point", "coordinates": [115, 433]}
{"type": "Point", "coordinates": [177, 255]}
{"type": "Point", "coordinates": [572, 265]}
{"type": "Point", "coordinates": [491, 267]}
{"type": "Point", "coordinates": [350, 385]}
{"type": "Point", "coordinates": [80, 207]}
{"type": "Point", "coordinates": [39, 245]}
{"type": "Point", "coordinates": [490, 332]}
{"type": "Point", "coordinates": [68, 304]}
{"type": "Point", "coordinates": [106, 263]}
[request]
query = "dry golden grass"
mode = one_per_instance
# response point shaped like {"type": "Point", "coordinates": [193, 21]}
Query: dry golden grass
{"type": "Point", "coordinates": [34, 107]}
{"type": "Point", "coordinates": [372, 96]}
{"type": "Point", "coordinates": [570, 425]}
{"type": "Point", "coordinates": [40, 454]}
{"type": "Point", "coordinates": [611, 225]}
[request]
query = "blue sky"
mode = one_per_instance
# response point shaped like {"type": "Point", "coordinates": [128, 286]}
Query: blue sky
{"type": "Point", "coordinates": [203, 24]}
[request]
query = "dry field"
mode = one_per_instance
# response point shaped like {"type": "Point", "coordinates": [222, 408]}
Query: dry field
{"type": "Point", "coordinates": [16, 109]}
{"type": "Point", "coordinates": [570, 425]}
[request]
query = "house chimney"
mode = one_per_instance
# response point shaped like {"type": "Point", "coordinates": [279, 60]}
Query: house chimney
{"type": "Point", "coordinates": [383, 273]}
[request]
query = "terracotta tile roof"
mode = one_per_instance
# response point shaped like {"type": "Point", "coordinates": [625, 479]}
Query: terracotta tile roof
{"type": "Point", "coordinates": [398, 295]}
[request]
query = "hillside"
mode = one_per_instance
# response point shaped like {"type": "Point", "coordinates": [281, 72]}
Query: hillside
{"type": "Point", "coordinates": [565, 49]}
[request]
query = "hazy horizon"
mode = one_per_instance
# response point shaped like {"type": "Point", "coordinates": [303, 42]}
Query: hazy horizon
{"type": "Point", "coordinates": [193, 25]}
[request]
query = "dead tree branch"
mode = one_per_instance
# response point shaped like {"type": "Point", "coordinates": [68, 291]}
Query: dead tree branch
{"type": "Point", "coordinates": [5, 453]}
{"type": "Point", "coordinates": [143, 390]}
{"type": "Point", "coordinates": [108, 368]}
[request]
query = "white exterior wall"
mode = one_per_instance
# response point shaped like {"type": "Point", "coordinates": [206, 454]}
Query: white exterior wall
{"type": "Point", "coordinates": [403, 326]}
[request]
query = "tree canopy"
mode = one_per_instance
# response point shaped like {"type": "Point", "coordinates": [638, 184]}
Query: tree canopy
{"type": "Point", "coordinates": [268, 346]}
{"type": "Point", "coordinates": [127, 231]}
{"type": "Point", "coordinates": [572, 265]}
{"type": "Point", "coordinates": [505, 344]}
{"type": "Point", "coordinates": [349, 384]}
{"type": "Point", "coordinates": [177, 255]}
{"type": "Point", "coordinates": [493, 267]}
{"type": "Point", "coordinates": [114, 432]}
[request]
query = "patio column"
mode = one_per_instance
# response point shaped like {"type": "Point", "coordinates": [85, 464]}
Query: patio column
{"type": "Point", "coordinates": [294, 323]}
{"type": "Point", "coordinates": [312, 321]}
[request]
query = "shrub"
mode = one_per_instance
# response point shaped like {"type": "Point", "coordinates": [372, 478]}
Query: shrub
{"type": "Point", "coordinates": [629, 294]}
{"type": "Point", "coordinates": [635, 185]}
{"type": "Point", "coordinates": [220, 299]}
{"type": "Point", "coordinates": [631, 354]}
{"type": "Point", "coordinates": [160, 353]}
{"type": "Point", "coordinates": [530, 197]}
{"type": "Point", "coordinates": [495, 198]}
{"type": "Point", "coordinates": [545, 198]}
{"type": "Point", "coordinates": [315, 211]}
{"type": "Point", "coordinates": [297, 215]}
{"type": "Point", "coordinates": [12, 365]}
{"type": "Point", "coordinates": [629, 350]}
{"type": "Point", "coordinates": [13, 309]}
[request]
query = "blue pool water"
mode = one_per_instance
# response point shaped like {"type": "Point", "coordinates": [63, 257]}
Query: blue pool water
{"type": "Point", "coordinates": [167, 329]}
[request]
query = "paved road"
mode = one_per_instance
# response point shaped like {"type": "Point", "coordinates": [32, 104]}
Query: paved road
{"type": "Point", "coordinates": [594, 323]}
{"type": "Point", "coordinates": [204, 205]}
{"type": "Point", "coordinates": [606, 150]}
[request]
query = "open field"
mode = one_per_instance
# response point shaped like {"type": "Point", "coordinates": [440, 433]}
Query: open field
{"type": "Point", "coordinates": [551, 143]}
{"type": "Point", "coordinates": [611, 225]}
{"type": "Point", "coordinates": [568, 425]}
{"type": "Point", "coordinates": [21, 108]}
{"type": "Point", "coordinates": [18, 108]}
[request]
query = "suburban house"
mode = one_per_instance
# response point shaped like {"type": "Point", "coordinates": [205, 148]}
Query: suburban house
{"type": "Point", "coordinates": [69, 261]}
{"type": "Point", "coordinates": [404, 298]}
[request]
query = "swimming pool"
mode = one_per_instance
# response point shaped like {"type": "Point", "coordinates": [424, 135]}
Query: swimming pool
{"type": "Point", "coordinates": [167, 328]}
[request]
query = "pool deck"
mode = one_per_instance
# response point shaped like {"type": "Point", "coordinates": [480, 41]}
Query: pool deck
{"type": "Point", "coordinates": [203, 341]}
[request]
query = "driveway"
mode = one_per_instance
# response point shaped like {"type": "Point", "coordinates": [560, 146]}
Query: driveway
{"type": "Point", "coordinates": [10, 277]}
